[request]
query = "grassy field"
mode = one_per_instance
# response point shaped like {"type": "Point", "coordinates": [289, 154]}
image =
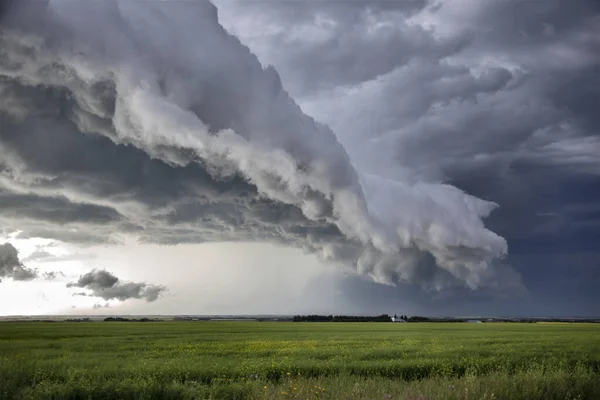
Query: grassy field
{"type": "Point", "coordinates": [235, 360]}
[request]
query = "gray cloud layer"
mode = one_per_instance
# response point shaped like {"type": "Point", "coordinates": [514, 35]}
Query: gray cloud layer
{"type": "Point", "coordinates": [107, 286]}
{"type": "Point", "coordinates": [11, 267]}
{"type": "Point", "coordinates": [175, 134]}
{"type": "Point", "coordinates": [496, 98]}
{"type": "Point", "coordinates": [488, 88]}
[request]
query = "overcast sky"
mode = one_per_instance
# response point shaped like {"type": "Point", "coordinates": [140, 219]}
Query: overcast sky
{"type": "Point", "coordinates": [435, 157]}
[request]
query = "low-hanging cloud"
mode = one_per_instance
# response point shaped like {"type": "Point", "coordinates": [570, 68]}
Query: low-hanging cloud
{"type": "Point", "coordinates": [11, 267]}
{"type": "Point", "coordinates": [495, 98]}
{"type": "Point", "coordinates": [149, 119]}
{"type": "Point", "coordinates": [107, 286]}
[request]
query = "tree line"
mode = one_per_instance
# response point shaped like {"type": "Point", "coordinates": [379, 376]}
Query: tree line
{"type": "Point", "coordinates": [341, 318]}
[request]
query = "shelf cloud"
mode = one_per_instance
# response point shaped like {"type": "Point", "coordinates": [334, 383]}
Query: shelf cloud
{"type": "Point", "coordinates": [149, 119]}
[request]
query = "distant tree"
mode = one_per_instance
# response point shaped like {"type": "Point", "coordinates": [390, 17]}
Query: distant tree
{"type": "Point", "coordinates": [341, 318]}
{"type": "Point", "coordinates": [418, 319]}
{"type": "Point", "coordinates": [116, 319]}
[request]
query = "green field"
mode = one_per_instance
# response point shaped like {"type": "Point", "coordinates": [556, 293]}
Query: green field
{"type": "Point", "coordinates": [121, 360]}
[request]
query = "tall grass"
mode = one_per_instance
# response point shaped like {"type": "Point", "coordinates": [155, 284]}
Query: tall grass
{"type": "Point", "coordinates": [238, 360]}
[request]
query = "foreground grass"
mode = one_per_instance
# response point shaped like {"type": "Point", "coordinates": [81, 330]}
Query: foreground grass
{"type": "Point", "coordinates": [239, 360]}
{"type": "Point", "coordinates": [582, 384]}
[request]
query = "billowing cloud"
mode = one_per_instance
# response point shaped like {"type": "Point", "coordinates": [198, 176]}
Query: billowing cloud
{"type": "Point", "coordinates": [107, 286]}
{"type": "Point", "coordinates": [320, 45]}
{"type": "Point", "coordinates": [497, 99]}
{"type": "Point", "coordinates": [484, 93]}
{"type": "Point", "coordinates": [149, 119]}
{"type": "Point", "coordinates": [11, 267]}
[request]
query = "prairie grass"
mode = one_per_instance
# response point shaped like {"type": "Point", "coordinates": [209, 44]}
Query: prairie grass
{"type": "Point", "coordinates": [252, 360]}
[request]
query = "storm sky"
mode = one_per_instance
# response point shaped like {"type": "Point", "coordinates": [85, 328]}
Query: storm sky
{"type": "Point", "coordinates": [435, 157]}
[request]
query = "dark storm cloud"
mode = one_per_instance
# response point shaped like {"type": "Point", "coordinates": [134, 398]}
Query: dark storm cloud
{"type": "Point", "coordinates": [5, 6]}
{"type": "Point", "coordinates": [148, 119]}
{"type": "Point", "coordinates": [523, 85]}
{"type": "Point", "coordinates": [497, 98]}
{"type": "Point", "coordinates": [356, 295]}
{"type": "Point", "coordinates": [11, 267]}
{"type": "Point", "coordinates": [107, 286]}
{"type": "Point", "coordinates": [52, 209]}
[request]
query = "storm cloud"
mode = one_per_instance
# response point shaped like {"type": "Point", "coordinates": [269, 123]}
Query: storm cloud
{"type": "Point", "coordinates": [497, 99]}
{"type": "Point", "coordinates": [107, 286]}
{"type": "Point", "coordinates": [178, 134]}
{"type": "Point", "coordinates": [150, 120]}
